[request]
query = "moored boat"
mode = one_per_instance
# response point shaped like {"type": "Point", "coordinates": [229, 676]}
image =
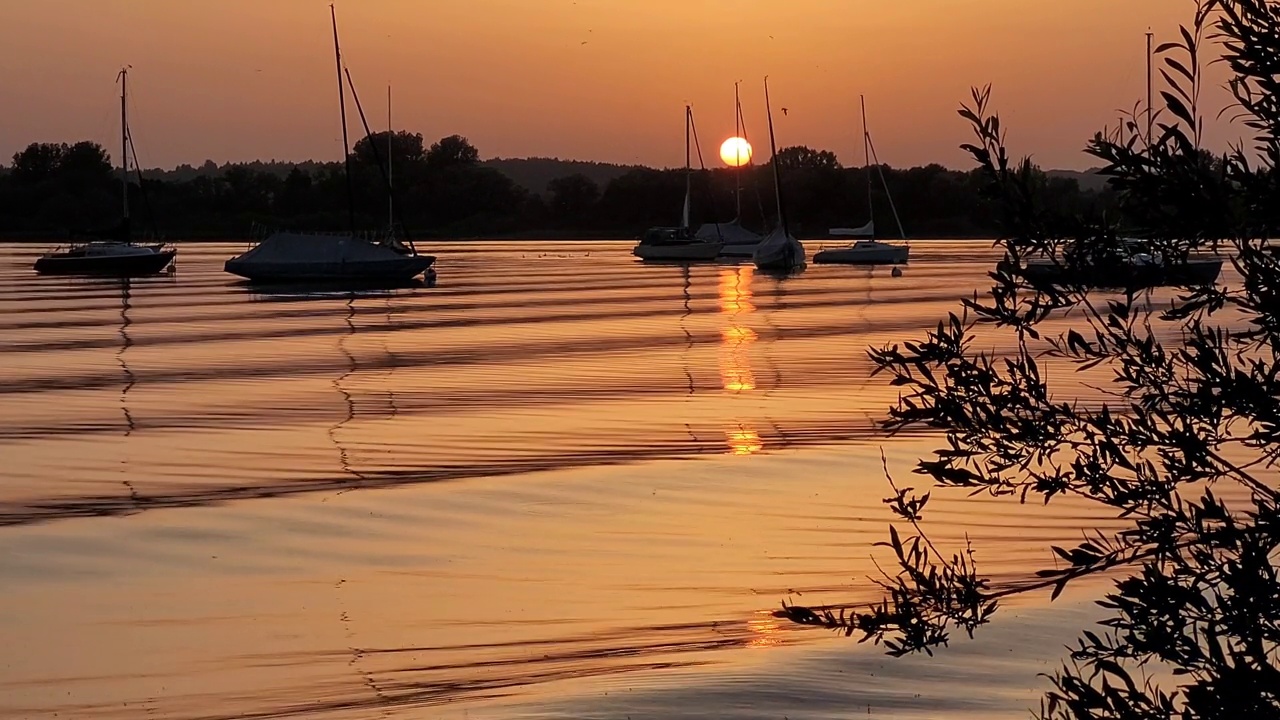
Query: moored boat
{"type": "Point", "coordinates": [679, 244]}
{"type": "Point", "coordinates": [779, 251]}
{"type": "Point", "coordinates": [868, 251]}
{"type": "Point", "coordinates": [335, 258]}
{"type": "Point", "coordinates": [113, 253]}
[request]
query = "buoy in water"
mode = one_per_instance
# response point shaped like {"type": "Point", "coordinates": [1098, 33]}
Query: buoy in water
{"type": "Point", "coordinates": [897, 271]}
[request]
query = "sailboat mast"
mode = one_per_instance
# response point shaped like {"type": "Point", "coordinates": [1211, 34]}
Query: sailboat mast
{"type": "Point", "coordinates": [866, 161]}
{"type": "Point", "coordinates": [773, 148]}
{"type": "Point", "coordinates": [391, 202]}
{"type": "Point", "coordinates": [737, 159]}
{"type": "Point", "coordinates": [688, 166]}
{"type": "Point", "coordinates": [124, 140]}
{"type": "Point", "coordinates": [342, 108]}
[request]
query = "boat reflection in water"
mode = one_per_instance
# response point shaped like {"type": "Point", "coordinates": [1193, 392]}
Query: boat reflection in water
{"type": "Point", "coordinates": [736, 339]}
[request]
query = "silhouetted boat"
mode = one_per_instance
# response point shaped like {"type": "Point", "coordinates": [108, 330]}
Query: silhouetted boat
{"type": "Point", "coordinates": [285, 257]}
{"type": "Point", "coordinates": [674, 244]}
{"type": "Point", "coordinates": [112, 253]}
{"type": "Point", "coordinates": [1130, 263]}
{"type": "Point", "coordinates": [738, 241]}
{"type": "Point", "coordinates": [1128, 273]}
{"type": "Point", "coordinates": [106, 258]}
{"type": "Point", "coordinates": [334, 258]}
{"type": "Point", "coordinates": [779, 251]}
{"type": "Point", "coordinates": [869, 251]}
{"type": "Point", "coordinates": [679, 243]}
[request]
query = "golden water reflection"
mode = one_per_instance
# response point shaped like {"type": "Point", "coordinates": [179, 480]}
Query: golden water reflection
{"type": "Point", "coordinates": [736, 339]}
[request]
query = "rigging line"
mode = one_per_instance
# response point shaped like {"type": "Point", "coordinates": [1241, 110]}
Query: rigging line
{"type": "Point", "coordinates": [342, 108]}
{"type": "Point", "coordinates": [142, 189]}
{"type": "Point", "coordinates": [885, 184]}
{"type": "Point", "coordinates": [702, 165]}
{"type": "Point", "coordinates": [377, 156]}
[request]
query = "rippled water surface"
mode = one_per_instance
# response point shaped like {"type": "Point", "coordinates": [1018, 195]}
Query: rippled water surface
{"type": "Point", "coordinates": [558, 484]}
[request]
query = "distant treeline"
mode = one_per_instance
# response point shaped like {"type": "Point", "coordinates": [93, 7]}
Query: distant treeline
{"type": "Point", "coordinates": [445, 190]}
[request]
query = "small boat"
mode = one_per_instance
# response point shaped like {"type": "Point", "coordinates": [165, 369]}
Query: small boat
{"type": "Point", "coordinates": [334, 259]}
{"type": "Point", "coordinates": [679, 244]}
{"type": "Point", "coordinates": [1130, 263]}
{"type": "Point", "coordinates": [287, 257]}
{"type": "Point", "coordinates": [112, 253]}
{"type": "Point", "coordinates": [1135, 272]}
{"type": "Point", "coordinates": [674, 244]}
{"type": "Point", "coordinates": [869, 251]}
{"type": "Point", "coordinates": [107, 258]}
{"type": "Point", "coordinates": [779, 251]}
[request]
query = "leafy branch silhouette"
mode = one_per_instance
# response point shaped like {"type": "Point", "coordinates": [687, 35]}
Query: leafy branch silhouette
{"type": "Point", "coordinates": [1194, 407]}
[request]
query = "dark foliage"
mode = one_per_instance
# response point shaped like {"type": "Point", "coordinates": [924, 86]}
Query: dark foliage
{"type": "Point", "coordinates": [445, 190]}
{"type": "Point", "coordinates": [1193, 626]}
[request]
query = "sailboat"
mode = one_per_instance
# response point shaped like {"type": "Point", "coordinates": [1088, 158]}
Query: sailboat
{"type": "Point", "coordinates": [115, 254]}
{"type": "Point", "coordinates": [679, 243]}
{"type": "Point", "coordinates": [869, 251]}
{"type": "Point", "coordinates": [739, 242]}
{"type": "Point", "coordinates": [779, 250]}
{"type": "Point", "coordinates": [342, 258]}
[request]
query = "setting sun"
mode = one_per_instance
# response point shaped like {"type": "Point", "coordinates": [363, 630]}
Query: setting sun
{"type": "Point", "coordinates": [735, 152]}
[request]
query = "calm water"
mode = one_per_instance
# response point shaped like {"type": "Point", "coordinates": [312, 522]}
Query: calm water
{"type": "Point", "coordinates": [558, 484]}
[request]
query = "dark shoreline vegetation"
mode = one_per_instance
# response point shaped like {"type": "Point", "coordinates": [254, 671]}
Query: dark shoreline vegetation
{"type": "Point", "coordinates": [446, 191]}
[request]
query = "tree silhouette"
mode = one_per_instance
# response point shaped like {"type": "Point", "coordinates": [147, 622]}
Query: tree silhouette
{"type": "Point", "coordinates": [573, 197]}
{"type": "Point", "coordinates": [452, 151]}
{"type": "Point", "coordinates": [1196, 602]}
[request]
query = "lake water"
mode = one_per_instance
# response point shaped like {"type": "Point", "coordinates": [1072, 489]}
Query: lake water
{"type": "Point", "coordinates": [558, 484]}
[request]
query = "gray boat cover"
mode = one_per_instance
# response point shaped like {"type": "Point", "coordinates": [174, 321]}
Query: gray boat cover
{"type": "Point", "coordinates": [730, 233]}
{"type": "Point", "coordinates": [302, 248]}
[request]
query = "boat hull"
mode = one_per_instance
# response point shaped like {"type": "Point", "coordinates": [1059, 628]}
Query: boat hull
{"type": "Point", "coordinates": [739, 250]}
{"type": "Point", "coordinates": [684, 252]}
{"type": "Point", "coordinates": [1191, 273]}
{"type": "Point", "coordinates": [779, 254]}
{"type": "Point", "coordinates": [107, 265]}
{"type": "Point", "coordinates": [854, 256]}
{"type": "Point", "coordinates": [393, 270]}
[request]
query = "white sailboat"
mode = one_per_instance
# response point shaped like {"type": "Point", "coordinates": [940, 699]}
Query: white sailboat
{"type": "Point", "coordinates": [779, 251]}
{"type": "Point", "coordinates": [679, 244]}
{"type": "Point", "coordinates": [869, 251]}
{"type": "Point", "coordinates": [340, 258]}
{"type": "Point", "coordinates": [739, 242]}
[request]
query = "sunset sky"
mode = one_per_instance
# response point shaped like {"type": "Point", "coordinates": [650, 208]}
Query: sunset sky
{"type": "Point", "coordinates": [584, 79]}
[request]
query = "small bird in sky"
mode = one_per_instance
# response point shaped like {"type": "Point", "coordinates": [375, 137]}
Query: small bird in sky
{"type": "Point", "coordinates": [784, 111]}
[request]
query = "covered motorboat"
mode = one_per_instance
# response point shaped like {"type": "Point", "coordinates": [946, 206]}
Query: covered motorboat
{"type": "Point", "coordinates": [286, 257]}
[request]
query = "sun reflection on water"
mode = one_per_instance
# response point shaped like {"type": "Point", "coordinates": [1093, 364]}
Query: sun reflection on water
{"type": "Point", "coordinates": [736, 340]}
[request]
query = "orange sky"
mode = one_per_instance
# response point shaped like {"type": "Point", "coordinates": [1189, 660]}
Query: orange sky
{"type": "Point", "coordinates": [247, 79]}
